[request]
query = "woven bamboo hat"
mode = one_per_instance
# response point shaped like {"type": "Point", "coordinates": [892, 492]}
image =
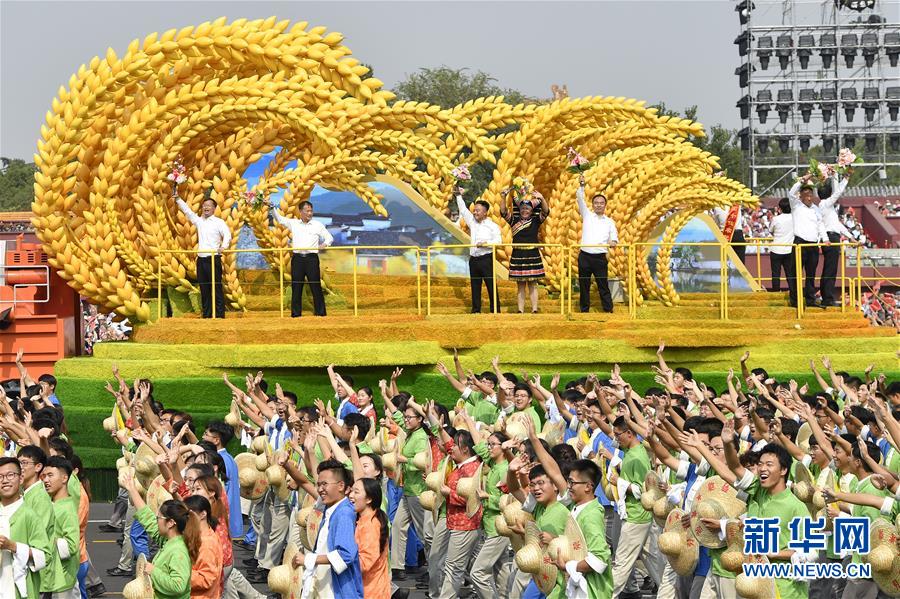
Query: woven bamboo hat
{"type": "Point", "coordinates": [303, 519]}
{"type": "Point", "coordinates": [157, 493]}
{"type": "Point", "coordinates": [422, 460]}
{"type": "Point", "coordinates": [804, 486]}
{"type": "Point", "coordinates": [312, 526]}
{"type": "Point", "coordinates": [233, 417]}
{"type": "Point", "coordinates": [276, 476]}
{"type": "Point", "coordinates": [570, 545]}
{"type": "Point", "coordinates": [502, 527]}
{"type": "Point", "coordinates": [435, 480]}
{"type": "Point", "coordinates": [755, 588]}
{"type": "Point", "coordinates": [826, 480]}
{"type": "Point", "coordinates": [651, 492]}
{"type": "Point", "coordinates": [252, 482]}
{"type": "Point", "coordinates": [258, 444]}
{"type": "Point", "coordinates": [884, 550]}
{"type": "Point", "coordinates": [286, 580]}
{"type": "Point", "coordinates": [515, 429]}
{"type": "Point", "coordinates": [145, 466]}
{"type": "Point", "coordinates": [661, 510]}
{"type": "Point", "coordinates": [733, 557]}
{"type": "Point", "coordinates": [678, 545]}
{"type": "Point", "coordinates": [545, 578]}
{"type": "Point", "coordinates": [468, 488]}
{"type": "Point", "coordinates": [427, 499]}
{"type": "Point", "coordinates": [553, 432]}
{"type": "Point", "coordinates": [715, 499]}
{"type": "Point", "coordinates": [530, 555]}
{"type": "Point", "coordinates": [141, 587]}
{"type": "Point", "coordinates": [109, 424]}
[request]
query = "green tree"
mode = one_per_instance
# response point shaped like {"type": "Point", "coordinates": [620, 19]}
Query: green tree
{"type": "Point", "coordinates": [16, 185]}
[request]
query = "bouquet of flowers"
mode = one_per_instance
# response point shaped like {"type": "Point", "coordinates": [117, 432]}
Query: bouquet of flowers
{"type": "Point", "coordinates": [254, 199]}
{"type": "Point", "coordinates": [178, 174]}
{"type": "Point", "coordinates": [845, 161]}
{"type": "Point", "coordinates": [461, 173]}
{"type": "Point", "coordinates": [817, 173]}
{"type": "Point", "coordinates": [577, 162]}
{"type": "Point", "coordinates": [521, 187]}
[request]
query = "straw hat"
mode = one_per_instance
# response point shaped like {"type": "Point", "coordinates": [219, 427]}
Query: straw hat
{"type": "Point", "coordinates": [302, 520]}
{"type": "Point", "coordinates": [248, 476]}
{"type": "Point", "coordinates": [553, 432]}
{"type": "Point", "coordinates": [312, 526]}
{"type": "Point", "coordinates": [661, 510]}
{"type": "Point", "coordinates": [123, 462]}
{"type": "Point", "coordinates": [141, 587]}
{"type": "Point", "coordinates": [883, 545]}
{"type": "Point", "coordinates": [715, 499]}
{"type": "Point", "coordinates": [889, 582]}
{"type": "Point", "coordinates": [803, 436]}
{"type": "Point", "coordinates": [389, 461]}
{"type": "Point", "coordinates": [109, 424]}
{"type": "Point", "coordinates": [261, 461]}
{"type": "Point", "coordinates": [826, 480]}
{"type": "Point", "coordinates": [755, 588]}
{"type": "Point", "coordinates": [733, 557]}
{"type": "Point", "coordinates": [286, 580]}
{"type": "Point", "coordinates": [157, 494]}
{"type": "Point", "coordinates": [259, 444]}
{"type": "Point", "coordinates": [545, 578]}
{"type": "Point", "coordinates": [502, 527]}
{"type": "Point", "coordinates": [233, 418]}
{"type": "Point", "coordinates": [427, 499]}
{"type": "Point", "coordinates": [516, 430]}
{"type": "Point", "coordinates": [803, 486]}
{"type": "Point", "coordinates": [435, 480]}
{"type": "Point", "coordinates": [129, 470]}
{"type": "Point", "coordinates": [530, 556]}
{"type": "Point", "coordinates": [145, 465]}
{"type": "Point", "coordinates": [680, 548]}
{"type": "Point", "coordinates": [651, 492]}
{"type": "Point", "coordinates": [422, 460]}
{"type": "Point", "coordinates": [276, 476]}
{"type": "Point", "coordinates": [468, 487]}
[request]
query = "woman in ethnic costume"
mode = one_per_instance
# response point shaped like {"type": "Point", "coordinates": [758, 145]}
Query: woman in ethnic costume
{"type": "Point", "coordinates": [526, 267]}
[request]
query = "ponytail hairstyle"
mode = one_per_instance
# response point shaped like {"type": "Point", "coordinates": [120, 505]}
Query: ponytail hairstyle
{"type": "Point", "coordinates": [214, 487]}
{"type": "Point", "coordinates": [187, 523]}
{"type": "Point", "coordinates": [373, 492]}
{"type": "Point", "coordinates": [198, 504]}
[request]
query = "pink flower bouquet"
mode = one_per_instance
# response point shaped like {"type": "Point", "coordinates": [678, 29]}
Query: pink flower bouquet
{"type": "Point", "coordinates": [254, 199]}
{"type": "Point", "coordinates": [577, 162]}
{"type": "Point", "coordinates": [178, 174]}
{"type": "Point", "coordinates": [461, 173]}
{"type": "Point", "coordinates": [846, 160]}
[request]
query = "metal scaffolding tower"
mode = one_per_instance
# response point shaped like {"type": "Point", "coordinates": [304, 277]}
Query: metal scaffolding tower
{"type": "Point", "coordinates": [818, 73]}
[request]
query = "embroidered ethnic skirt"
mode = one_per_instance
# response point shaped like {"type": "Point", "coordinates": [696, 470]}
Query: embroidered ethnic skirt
{"type": "Point", "coordinates": [525, 264]}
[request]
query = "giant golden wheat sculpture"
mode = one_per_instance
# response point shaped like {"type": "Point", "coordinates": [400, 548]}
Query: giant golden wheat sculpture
{"type": "Point", "coordinates": [219, 95]}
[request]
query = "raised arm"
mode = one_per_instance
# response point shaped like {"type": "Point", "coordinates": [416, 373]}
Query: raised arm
{"type": "Point", "coordinates": [546, 460]}
{"type": "Point", "coordinates": [456, 384]}
{"type": "Point", "coordinates": [579, 198]}
{"type": "Point", "coordinates": [190, 214]}
{"type": "Point", "coordinates": [837, 190]}
{"type": "Point", "coordinates": [464, 211]}
{"type": "Point", "coordinates": [27, 381]}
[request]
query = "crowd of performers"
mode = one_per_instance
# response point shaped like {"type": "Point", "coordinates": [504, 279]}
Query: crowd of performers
{"type": "Point", "coordinates": [527, 487]}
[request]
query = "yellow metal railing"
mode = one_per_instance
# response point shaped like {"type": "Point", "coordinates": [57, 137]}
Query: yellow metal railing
{"type": "Point", "coordinates": [563, 279]}
{"type": "Point", "coordinates": [850, 286]}
{"type": "Point", "coordinates": [352, 248]}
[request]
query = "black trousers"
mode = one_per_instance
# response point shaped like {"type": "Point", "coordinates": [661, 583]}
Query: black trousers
{"type": "Point", "coordinates": [205, 267]}
{"type": "Point", "coordinates": [481, 270]}
{"type": "Point", "coordinates": [305, 267]}
{"type": "Point", "coordinates": [595, 265]}
{"type": "Point", "coordinates": [809, 261]}
{"type": "Point", "coordinates": [831, 255]}
{"type": "Point", "coordinates": [782, 262]}
{"type": "Point", "coordinates": [740, 250]}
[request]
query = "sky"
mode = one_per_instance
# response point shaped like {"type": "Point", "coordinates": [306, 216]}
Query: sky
{"type": "Point", "coordinates": [678, 52]}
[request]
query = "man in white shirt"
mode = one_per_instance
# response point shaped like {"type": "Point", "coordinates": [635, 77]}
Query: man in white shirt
{"type": "Point", "coordinates": [308, 236]}
{"type": "Point", "coordinates": [781, 253]}
{"type": "Point", "coordinates": [484, 233]}
{"type": "Point", "coordinates": [213, 236]}
{"type": "Point", "coordinates": [834, 228]}
{"type": "Point", "coordinates": [808, 228]}
{"type": "Point", "coordinates": [596, 229]}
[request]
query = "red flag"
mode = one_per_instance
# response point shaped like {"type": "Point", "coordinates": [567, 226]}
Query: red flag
{"type": "Point", "coordinates": [731, 221]}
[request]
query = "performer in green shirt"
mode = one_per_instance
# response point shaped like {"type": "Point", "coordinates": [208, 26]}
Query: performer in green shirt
{"type": "Point", "coordinates": [33, 459]}
{"type": "Point", "coordinates": [65, 533]}
{"type": "Point", "coordinates": [490, 559]}
{"type": "Point", "coordinates": [177, 531]}
{"type": "Point", "coordinates": [23, 536]}
{"type": "Point", "coordinates": [637, 521]}
{"type": "Point", "coordinates": [590, 578]}
{"type": "Point", "coordinates": [410, 510]}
